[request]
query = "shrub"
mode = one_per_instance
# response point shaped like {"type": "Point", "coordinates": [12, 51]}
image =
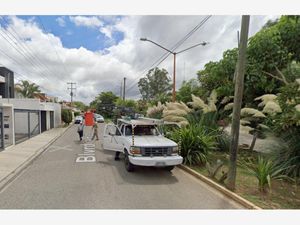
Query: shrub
{"type": "Point", "coordinates": [264, 170]}
{"type": "Point", "coordinates": [194, 142]}
{"type": "Point", "coordinates": [66, 116]}
{"type": "Point", "coordinates": [289, 153]}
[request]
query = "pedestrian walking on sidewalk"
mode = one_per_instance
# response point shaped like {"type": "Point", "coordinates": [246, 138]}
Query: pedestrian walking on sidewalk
{"type": "Point", "coordinates": [80, 130]}
{"type": "Point", "coordinates": [95, 131]}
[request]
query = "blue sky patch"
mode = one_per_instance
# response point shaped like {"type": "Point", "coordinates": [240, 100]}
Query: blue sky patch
{"type": "Point", "coordinates": [73, 36]}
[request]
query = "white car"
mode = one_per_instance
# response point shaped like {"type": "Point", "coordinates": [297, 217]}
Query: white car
{"type": "Point", "coordinates": [98, 118]}
{"type": "Point", "coordinates": [78, 119]}
{"type": "Point", "coordinates": [142, 143]}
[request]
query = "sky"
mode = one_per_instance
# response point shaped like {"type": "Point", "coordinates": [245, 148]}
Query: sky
{"type": "Point", "coordinates": [97, 52]}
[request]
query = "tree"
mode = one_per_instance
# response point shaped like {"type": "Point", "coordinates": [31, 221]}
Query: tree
{"type": "Point", "coordinates": [186, 90]}
{"type": "Point", "coordinates": [270, 50]}
{"type": "Point", "coordinates": [26, 89]}
{"type": "Point", "coordinates": [80, 105]}
{"type": "Point", "coordinates": [105, 103]}
{"type": "Point", "coordinates": [156, 83]}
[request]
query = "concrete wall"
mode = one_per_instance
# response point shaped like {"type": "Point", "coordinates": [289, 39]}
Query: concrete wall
{"type": "Point", "coordinates": [35, 104]}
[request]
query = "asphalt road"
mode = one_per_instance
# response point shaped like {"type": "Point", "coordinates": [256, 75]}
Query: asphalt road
{"type": "Point", "coordinates": [55, 181]}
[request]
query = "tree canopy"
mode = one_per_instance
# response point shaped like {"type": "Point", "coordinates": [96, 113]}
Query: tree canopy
{"type": "Point", "coordinates": [155, 84]}
{"type": "Point", "coordinates": [26, 89]}
{"type": "Point", "coordinates": [270, 50]}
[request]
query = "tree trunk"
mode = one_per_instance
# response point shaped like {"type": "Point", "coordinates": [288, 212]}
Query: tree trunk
{"type": "Point", "coordinates": [238, 96]}
{"type": "Point", "coordinates": [253, 141]}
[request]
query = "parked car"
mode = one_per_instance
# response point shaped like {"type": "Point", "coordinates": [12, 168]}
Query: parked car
{"type": "Point", "coordinates": [78, 119]}
{"type": "Point", "coordinates": [141, 143]}
{"type": "Point", "coordinates": [98, 118]}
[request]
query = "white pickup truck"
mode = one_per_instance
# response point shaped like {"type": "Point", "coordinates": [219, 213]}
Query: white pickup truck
{"type": "Point", "coordinates": [142, 143]}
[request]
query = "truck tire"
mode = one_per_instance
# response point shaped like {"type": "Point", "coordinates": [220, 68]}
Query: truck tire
{"type": "Point", "coordinates": [169, 168]}
{"type": "Point", "coordinates": [128, 165]}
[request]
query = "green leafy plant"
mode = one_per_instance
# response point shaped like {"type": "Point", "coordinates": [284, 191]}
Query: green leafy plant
{"type": "Point", "coordinates": [194, 142]}
{"type": "Point", "coordinates": [289, 154]}
{"type": "Point", "coordinates": [66, 116]}
{"type": "Point", "coordinates": [265, 170]}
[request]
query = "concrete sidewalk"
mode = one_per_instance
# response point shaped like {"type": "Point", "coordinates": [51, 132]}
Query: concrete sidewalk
{"type": "Point", "coordinates": [15, 158]}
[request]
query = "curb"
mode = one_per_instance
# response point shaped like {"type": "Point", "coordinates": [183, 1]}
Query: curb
{"type": "Point", "coordinates": [6, 180]}
{"type": "Point", "coordinates": [230, 194]}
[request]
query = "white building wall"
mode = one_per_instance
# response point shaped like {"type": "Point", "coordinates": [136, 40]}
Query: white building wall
{"type": "Point", "coordinates": [35, 104]}
{"type": "Point", "coordinates": [48, 120]}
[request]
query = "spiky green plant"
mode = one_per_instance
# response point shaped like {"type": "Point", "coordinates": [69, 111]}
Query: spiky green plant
{"type": "Point", "coordinates": [194, 141]}
{"type": "Point", "coordinates": [265, 170]}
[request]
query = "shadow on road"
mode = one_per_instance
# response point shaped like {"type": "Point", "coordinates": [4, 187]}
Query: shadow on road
{"type": "Point", "coordinates": [141, 175]}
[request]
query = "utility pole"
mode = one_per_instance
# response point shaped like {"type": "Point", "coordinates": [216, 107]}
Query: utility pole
{"type": "Point", "coordinates": [71, 88]}
{"type": "Point", "coordinates": [124, 86]}
{"type": "Point", "coordinates": [174, 61]}
{"type": "Point", "coordinates": [238, 97]}
{"type": "Point", "coordinates": [121, 89]}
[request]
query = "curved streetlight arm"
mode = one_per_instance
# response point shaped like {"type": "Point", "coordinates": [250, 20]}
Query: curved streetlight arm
{"type": "Point", "coordinates": [145, 39]}
{"type": "Point", "coordinates": [203, 43]}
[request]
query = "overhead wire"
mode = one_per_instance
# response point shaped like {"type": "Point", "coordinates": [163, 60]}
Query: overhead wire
{"type": "Point", "coordinates": [165, 55]}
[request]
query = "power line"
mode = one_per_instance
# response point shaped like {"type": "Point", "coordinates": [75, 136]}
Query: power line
{"type": "Point", "coordinates": [57, 55]}
{"type": "Point", "coordinates": [21, 53]}
{"type": "Point", "coordinates": [24, 46]}
{"type": "Point", "coordinates": [165, 55]}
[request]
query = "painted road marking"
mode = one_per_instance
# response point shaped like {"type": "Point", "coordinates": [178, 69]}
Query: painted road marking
{"type": "Point", "coordinates": [88, 154]}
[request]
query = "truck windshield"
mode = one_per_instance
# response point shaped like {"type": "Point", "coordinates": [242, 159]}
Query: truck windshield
{"type": "Point", "coordinates": [142, 130]}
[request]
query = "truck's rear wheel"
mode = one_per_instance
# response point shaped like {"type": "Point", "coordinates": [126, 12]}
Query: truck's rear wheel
{"type": "Point", "coordinates": [169, 168]}
{"type": "Point", "coordinates": [128, 165]}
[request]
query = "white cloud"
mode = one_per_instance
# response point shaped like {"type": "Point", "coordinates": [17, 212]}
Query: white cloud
{"type": "Point", "coordinates": [61, 21]}
{"type": "Point", "coordinates": [87, 21]}
{"type": "Point", "coordinates": [104, 70]}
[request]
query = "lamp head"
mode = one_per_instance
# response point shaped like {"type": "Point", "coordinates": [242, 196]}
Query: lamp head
{"type": "Point", "coordinates": [143, 39]}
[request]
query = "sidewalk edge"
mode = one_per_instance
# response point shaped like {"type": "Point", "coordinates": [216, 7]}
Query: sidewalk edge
{"type": "Point", "coordinates": [220, 188]}
{"type": "Point", "coordinates": [10, 177]}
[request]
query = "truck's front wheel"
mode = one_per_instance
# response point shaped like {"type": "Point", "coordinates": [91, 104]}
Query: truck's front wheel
{"type": "Point", "coordinates": [169, 168]}
{"type": "Point", "coordinates": [128, 165]}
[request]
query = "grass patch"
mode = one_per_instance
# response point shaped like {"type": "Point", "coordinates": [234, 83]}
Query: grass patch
{"type": "Point", "coordinates": [283, 194]}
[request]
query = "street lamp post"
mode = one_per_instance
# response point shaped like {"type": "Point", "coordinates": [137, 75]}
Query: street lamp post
{"type": "Point", "coordinates": [174, 59]}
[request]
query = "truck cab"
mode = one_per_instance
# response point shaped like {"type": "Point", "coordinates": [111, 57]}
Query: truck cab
{"type": "Point", "coordinates": [141, 143]}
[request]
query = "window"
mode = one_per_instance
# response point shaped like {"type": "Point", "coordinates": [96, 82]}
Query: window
{"type": "Point", "coordinates": [146, 130]}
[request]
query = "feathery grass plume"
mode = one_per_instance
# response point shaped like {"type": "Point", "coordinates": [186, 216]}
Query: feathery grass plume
{"type": "Point", "coordinates": [270, 104]}
{"type": "Point", "coordinates": [177, 105]}
{"type": "Point", "coordinates": [226, 99]}
{"type": "Point", "coordinates": [198, 103]}
{"type": "Point", "coordinates": [252, 113]}
{"type": "Point", "coordinates": [272, 108]}
{"type": "Point", "coordinates": [262, 126]}
{"type": "Point", "coordinates": [183, 123]}
{"type": "Point", "coordinates": [172, 118]}
{"type": "Point", "coordinates": [212, 99]}
{"type": "Point", "coordinates": [298, 81]}
{"type": "Point", "coordinates": [174, 112]}
{"type": "Point", "coordinates": [244, 122]}
{"type": "Point", "coordinates": [297, 107]}
{"type": "Point", "coordinates": [155, 110]}
{"type": "Point", "coordinates": [265, 99]}
{"type": "Point", "coordinates": [229, 106]}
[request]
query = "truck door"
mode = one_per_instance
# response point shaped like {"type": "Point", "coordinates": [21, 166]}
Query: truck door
{"type": "Point", "coordinates": [112, 138]}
